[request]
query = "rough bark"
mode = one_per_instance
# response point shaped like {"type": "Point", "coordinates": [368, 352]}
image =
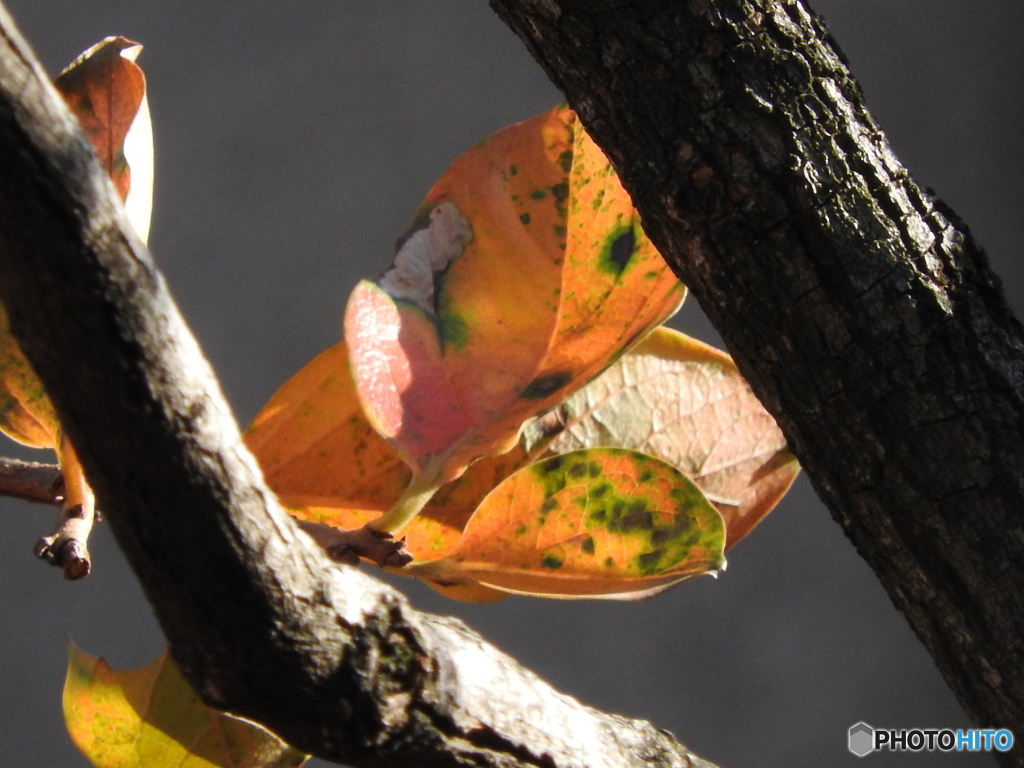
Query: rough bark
{"type": "Point", "coordinates": [259, 620]}
{"type": "Point", "coordinates": [861, 309]}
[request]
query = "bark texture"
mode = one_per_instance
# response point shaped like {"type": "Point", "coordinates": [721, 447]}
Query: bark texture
{"type": "Point", "coordinates": [862, 311]}
{"type": "Point", "coordinates": [259, 620]}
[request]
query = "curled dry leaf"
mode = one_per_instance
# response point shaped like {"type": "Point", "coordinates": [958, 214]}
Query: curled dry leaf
{"type": "Point", "coordinates": [106, 90]}
{"type": "Point", "coordinates": [600, 523]}
{"type": "Point", "coordinates": [151, 717]}
{"type": "Point", "coordinates": [686, 403]}
{"type": "Point", "coordinates": [525, 274]}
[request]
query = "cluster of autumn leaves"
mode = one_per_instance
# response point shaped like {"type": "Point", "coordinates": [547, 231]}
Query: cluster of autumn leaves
{"type": "Point", "coordinates": [505, 403]}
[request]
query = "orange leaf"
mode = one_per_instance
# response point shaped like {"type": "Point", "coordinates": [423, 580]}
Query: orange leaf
{"type": "Point", "coordinates": [327, 465]}
{"type": "Point", "coordinates": [465, 591]}
{"type": "Point", "coordinates": [488, 225]}
{"type": "Point", "coordinates": [525, 274]}
{"type": "Point", "coordinates": [105, 90]}
{"type": "Point", "coordinates": [605, 523]}
{"type": "Point", "coordinates": [684, 402]}
{"type": "Point", "coordinates": [615, 288]}
{"type": "Point", "coordinates": [151, 717]}
{"type": "Point", "coordinates": [317, 449]}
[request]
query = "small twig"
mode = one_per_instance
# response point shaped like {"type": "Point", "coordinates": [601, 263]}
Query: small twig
{"type": "Point", "coordinates": [30, 481]}
{"type": "Point", "coordinates": [366, 543]}
{"type": "Point", "coordinates": [44, 484]}
{"type": "Point", "coordinates": [67, 547]}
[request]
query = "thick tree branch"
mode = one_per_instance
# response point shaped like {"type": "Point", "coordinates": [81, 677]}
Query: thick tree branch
{"type": "Point", "coordinates": [259, 620]}
{"type": "Point", "coordinates": [862, 311]}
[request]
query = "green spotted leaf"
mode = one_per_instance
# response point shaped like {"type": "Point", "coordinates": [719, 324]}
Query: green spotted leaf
{"type": "Point", "coordinates": [686, 403]}
{"type": "Point", "coordinates": [599, 523]}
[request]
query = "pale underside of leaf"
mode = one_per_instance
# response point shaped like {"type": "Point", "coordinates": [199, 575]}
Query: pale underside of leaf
{"type": "Point", "coordinates": [425, 253]}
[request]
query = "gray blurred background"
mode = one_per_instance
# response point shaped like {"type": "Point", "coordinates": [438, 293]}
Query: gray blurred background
{"type": "Point", "coordinates": [295, 141]}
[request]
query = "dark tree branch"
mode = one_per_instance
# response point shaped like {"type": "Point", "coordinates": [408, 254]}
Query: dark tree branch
{"type": "Point", "coordinates": [259, 620]}
{"type": "Point", "coordinates": [862, 311]}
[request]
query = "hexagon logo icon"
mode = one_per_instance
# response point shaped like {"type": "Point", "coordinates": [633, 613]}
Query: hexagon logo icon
{"type": "Point", "coordinates": [861, 739]}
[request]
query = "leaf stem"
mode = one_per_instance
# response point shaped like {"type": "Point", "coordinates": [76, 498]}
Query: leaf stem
{"type": "Point", "coordinates": [415, 497]}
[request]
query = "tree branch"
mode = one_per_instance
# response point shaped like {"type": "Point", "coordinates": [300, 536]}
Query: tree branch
{"type": "Point", "coordinates": [29, 481]}
{"type": "Point", "coordinates": [259, 620]}
{"type": "Point", "coordinates": [67, 546]}
{"type": "Point", "coordinates": [861, 309]}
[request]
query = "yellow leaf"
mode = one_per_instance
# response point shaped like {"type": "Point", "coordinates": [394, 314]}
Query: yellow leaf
{"type": "Point", "coordinates": [150, 718]}
{"type": "Point", "coordinates": [26, 413]}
